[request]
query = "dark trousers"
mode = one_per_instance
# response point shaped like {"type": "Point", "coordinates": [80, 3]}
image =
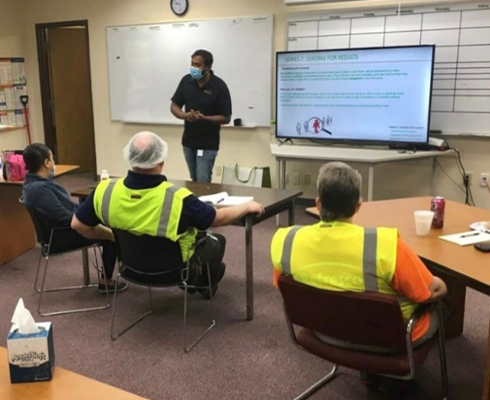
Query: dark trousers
{"type": "Point", "coordinates": [71, 240]}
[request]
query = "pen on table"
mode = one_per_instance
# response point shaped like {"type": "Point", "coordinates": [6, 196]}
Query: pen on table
{"type": "Point", "coordinates": [220, 200]}
{"type": "Point", "coordinates": [470, 234]}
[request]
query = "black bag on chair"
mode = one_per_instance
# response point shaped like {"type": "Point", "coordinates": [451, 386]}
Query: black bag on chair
{"type": "Point", "coordinates": [209, 248]}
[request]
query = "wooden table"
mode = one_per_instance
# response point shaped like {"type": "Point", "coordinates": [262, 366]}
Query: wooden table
{"type": "Point", "coordinates": [16, 229]}
{"type": "Point", "coordinates": [458, 266]}
{"type": "Point", "coordinates": [273, 200]}
{"type": "Point", "coordinates": [65, 385]}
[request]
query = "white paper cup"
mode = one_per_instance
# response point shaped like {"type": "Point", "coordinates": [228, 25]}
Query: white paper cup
{"type": "Point", "coordinates": [423, 221]}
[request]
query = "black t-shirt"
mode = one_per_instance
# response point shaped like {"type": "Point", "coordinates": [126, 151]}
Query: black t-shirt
{"type": "Point", "coordinates": [213, 98]}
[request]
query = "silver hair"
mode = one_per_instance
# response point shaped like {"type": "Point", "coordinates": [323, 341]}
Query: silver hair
{"type": "Point", "coordinates": [145, 150]}
{"type": "Point", "coordinates": [339, 190]}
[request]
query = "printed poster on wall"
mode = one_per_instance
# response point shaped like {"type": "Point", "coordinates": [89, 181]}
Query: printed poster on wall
{"type": "Point", "coordinates": [12, 86]}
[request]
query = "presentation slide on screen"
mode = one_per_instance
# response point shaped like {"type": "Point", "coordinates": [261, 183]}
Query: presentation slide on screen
{"type": "Point", "coordinates": [380, 94]}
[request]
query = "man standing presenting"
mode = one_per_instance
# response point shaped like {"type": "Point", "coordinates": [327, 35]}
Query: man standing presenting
{"type": "Point", "coordinates": [337, 255]}
{"type": "Point", "coordinates": [207, 106]}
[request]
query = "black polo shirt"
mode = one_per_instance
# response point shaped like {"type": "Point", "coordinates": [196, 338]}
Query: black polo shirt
{"type": "Point", "coordinates": [213, 98]}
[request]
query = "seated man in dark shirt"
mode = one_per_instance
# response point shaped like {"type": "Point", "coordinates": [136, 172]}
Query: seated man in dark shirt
{"type": "Point", "coordinates": [145, 203]}
{"type": "Point", "coordinates": [53, 207]}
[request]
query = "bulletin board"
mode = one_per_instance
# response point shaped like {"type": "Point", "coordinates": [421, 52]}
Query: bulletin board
{"type": "Point", "coordinates": [12, 86]}
{"type": "Point", "coordinates": [461, 33]}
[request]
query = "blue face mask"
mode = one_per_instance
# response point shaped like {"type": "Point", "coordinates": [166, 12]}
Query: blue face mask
{"type": "Point", "coordinates": [196, 73]}
{"type": "Point", "coordinates": [51, 172]}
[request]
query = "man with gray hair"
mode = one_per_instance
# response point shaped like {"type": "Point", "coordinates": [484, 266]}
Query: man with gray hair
{"type": "Point", "coordinates": [140, 201]}
{"type": "Point", "coordinates": [333, 254]}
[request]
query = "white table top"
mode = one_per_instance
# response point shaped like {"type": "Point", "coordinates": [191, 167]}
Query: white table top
{"type": "Point", "coordinates": [354, 154]}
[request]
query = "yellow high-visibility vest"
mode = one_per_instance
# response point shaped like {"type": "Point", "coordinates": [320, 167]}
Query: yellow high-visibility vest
{"type": "Point", "coordinates": [154, 211]}
{"type": "Point", "coordinates": [339, 256]}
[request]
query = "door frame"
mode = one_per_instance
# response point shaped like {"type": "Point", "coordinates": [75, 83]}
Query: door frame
{"type": "Point", "coordinates": [45, 80]}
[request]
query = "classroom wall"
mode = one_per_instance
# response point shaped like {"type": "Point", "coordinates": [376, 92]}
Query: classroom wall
{"type": "Point", "coordinates": [11, 45]}
{"type": "Point", "coordinates": [245, 146]}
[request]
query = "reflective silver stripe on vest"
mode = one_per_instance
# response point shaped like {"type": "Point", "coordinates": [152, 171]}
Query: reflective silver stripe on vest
{"type": "Point", "coordinates": [166, 209]}
{"type": "Point", "coordinates": [287, 250]}
{"type": "Point", "coordinates": [106, 200]}
{"type": "Point", "coordinates": [369, 260]}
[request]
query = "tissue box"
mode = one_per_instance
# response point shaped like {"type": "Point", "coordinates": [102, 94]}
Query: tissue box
{"type": "Point", "coordinates": [31, 356]}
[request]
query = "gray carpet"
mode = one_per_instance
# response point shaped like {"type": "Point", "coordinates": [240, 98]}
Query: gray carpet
{"type": "Point", "coordinates": [238, 359]}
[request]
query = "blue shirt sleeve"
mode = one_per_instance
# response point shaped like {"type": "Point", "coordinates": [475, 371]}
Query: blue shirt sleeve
{"type": "Point", "coordinates": [86, 212]}
{"type": "Point", "coordinates": [196, 214]}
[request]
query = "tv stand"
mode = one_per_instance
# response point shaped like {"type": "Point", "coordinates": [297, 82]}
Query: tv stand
{"type": "Point", "coordinates": [281, 142]}
{"type": "Point", "coordinates": [371, 157]}
{"type": "Point", "coordinates": [404, 146]}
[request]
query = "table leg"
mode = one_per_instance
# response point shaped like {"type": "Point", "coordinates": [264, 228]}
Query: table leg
{"type": "Point", "coordinates": [283, 174]}
{"type": "Point", "coordinates": [291, 214]}
{"type": "Point", "coordinates": [249, 266]}
{"type": "Point", "coordinates": [281, 181]}
{"type": "Point", "coordinates": [85, 262]}
{"type": "Point", "coordinates": [278, 173]}
{"type": "Point", "coordinates": [486, 381]}
{"type": "Point", "coordinates": [456, 297]}
{"type": "Point", "coordinates": [370, 182]}
{"type": "Point", "coordinates": [85, 266]}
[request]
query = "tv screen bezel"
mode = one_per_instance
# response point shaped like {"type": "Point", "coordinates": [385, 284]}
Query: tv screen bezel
{"type": "Point", "coordinates": [326, 140]}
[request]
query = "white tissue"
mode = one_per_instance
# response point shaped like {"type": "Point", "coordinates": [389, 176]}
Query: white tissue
{"type": "Point", "coordinates": [22, 318]}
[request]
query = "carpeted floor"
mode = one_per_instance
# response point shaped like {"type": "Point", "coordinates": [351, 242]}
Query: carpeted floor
{"type": "Point", "coordinates": [238, 359]}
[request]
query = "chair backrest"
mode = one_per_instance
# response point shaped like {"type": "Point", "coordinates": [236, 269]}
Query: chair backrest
{"type": "Point", "coordinates": [370, 319]}
{"type": "Point", "coordinates": [42, 232]}
{"type": "Point", "coordinates": [147, 254]}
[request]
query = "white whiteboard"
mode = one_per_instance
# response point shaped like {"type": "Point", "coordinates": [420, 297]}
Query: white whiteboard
{"type": "Point", "coordinates": [147, 62]}
{"type": "Point", "coordinates": [461, 33]}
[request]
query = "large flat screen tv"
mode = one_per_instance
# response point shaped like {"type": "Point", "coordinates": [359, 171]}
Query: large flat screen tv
{"type": "Point", "coordinates": [368, 95]}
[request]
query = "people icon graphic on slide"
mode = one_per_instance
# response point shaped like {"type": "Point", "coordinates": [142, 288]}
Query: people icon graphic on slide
{"type": "Point", "coordinates": [316, 125]}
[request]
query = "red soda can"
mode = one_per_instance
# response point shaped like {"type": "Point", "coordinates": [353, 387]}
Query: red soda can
{"type": "Point", "coordinates": [438, 204]}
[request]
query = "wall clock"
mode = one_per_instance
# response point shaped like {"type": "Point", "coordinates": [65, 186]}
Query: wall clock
{"type": "Point", "coordinates": [179, 7]}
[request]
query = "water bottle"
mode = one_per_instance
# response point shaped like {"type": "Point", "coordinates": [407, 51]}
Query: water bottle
{"type": "Point", "coordinates": [104, 175]}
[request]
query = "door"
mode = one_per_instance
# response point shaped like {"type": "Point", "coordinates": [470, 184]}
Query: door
{"type": "Point", "coordinates": [66, 93]}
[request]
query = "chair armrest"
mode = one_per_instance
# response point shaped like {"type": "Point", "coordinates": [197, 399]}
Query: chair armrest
{"type": "Point", "coordinates": [421, 309]}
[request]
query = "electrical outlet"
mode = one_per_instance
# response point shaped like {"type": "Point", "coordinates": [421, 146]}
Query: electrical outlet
{"type": "Point", "coordinates": [467, 178]}
{"type": "Point", "coordinates": [307, 179]}
{"type": "Point", "coordinates": [484, 179]}
{"type": "Point", "coordinates": [295, 178]}
{"type": "Point", "coordinates": [218, 170]}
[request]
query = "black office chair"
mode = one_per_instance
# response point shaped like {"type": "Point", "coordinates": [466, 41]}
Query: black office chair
{"type": "Point", "coordinates": [140, 262]}
{"type": "Point", "coordinates": [47, 238]}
